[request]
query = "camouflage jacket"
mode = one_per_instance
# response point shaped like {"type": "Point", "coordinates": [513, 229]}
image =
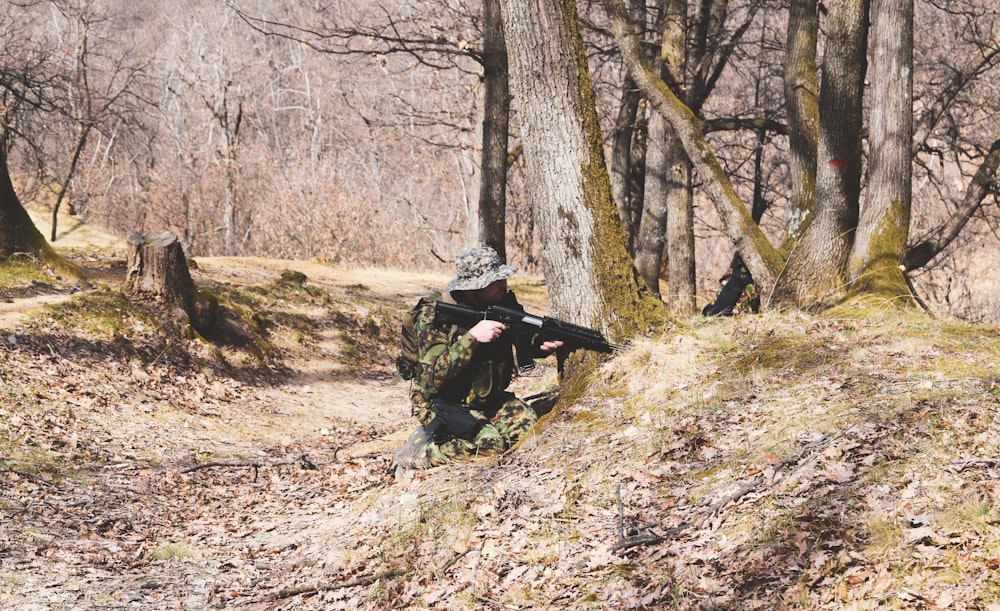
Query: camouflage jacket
{"type": "Point", "coordinates": [456, 368]}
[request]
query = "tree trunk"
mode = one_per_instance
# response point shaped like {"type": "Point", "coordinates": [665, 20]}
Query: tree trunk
{"type": "Point", "coordinates": [625, 134]}
{"type": "Point", "coordinates": [652, 234]}
{"type": "Point", "coordinates": [496, 117]}
{"type": "Point", "coordinates": [590, 275]}
{"type": "Point", "coordinates": [157, 270]}
{"type": "Point", "coordinates": [678, 198]}
{"type": "Point", "coordinates": [19, 235]}
{"type": "Point", "coordinates": [629, 138]}
{"type": "Point", "coordinates": [802, 104]}
{"type": "Point", "coordinates": [667, 219]}
{"type": "Point", "coordinates": [761, 258]}
{"type": "Point", "coordinates": [883, 226]}
{"type": "Point", "coordinates": [682, 271]}
{"type": "Point", "coordinates": [816, 269]}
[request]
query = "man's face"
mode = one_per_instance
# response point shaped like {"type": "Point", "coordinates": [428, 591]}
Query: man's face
{"type": "Point", "coordinates": [489, 295]}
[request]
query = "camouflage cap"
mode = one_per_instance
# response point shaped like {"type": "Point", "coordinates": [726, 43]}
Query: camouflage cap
{"type": "Point", "coordinates": [478, 268]}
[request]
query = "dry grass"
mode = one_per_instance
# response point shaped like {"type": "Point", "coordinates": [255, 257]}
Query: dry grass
{"type": "Point", "coordinates": [787, 460]}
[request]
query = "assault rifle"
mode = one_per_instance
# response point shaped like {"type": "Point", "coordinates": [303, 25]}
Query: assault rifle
{"type": "Point", "coordinates": [525, 326]}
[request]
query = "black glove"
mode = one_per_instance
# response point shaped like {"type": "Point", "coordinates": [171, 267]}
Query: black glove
{"type": "Point", "coordinates": [453, 420]}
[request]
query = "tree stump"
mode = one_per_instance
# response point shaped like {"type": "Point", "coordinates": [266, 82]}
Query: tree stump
{"type": "Point", "coordinates": [157, 269]}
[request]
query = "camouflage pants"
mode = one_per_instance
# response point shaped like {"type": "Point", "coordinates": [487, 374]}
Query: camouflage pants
{"type": "Point", "coordinates": [511, 423]}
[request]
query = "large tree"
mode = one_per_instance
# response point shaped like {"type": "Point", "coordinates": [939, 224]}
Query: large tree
{"type": "Point", "coordinates": [591, 278]}
{"type": "Point", "coordinates": [880, 241]}
{"type": "Point", "coordinates": [841, 237]}
{"type": "Point", "coordinates": [18, 234]}
{"type": "Point", "coordinates": [763, 260]}
{"type": "Point", "coordinates": [696, 42]}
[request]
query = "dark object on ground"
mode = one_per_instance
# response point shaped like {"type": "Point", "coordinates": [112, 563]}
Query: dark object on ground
{"type": "Point", "coordinates": [738, 293]}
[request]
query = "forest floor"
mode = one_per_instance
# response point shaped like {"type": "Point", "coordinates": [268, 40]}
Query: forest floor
{"type": "Point", "coordinates": [849, 460]}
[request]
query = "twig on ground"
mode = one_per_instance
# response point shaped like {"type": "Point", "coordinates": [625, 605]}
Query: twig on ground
{"type": "Point", "coordinates": [798, 458]}
{"type": "Point", "coordinates": [965, 462]}
{"type": "Point", "coordinates": [451, 561]}
{"type": "Point", "coordinates": [256, 464]}
{"type": "Point", "coordinates": [30, 476]}
{"type": "Point", "coordinates": [316, 588]}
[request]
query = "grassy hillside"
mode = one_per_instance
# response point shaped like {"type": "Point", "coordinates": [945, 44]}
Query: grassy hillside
{"type": "Point", "coordinates": [780, 461]}
{"type": "Point", "coordinates": [840, 461]}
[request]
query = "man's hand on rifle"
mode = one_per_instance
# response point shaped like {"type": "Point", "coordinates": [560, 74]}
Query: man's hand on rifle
{"type": "Point", "coordinates": [551, 345]}
{"type": "Point", "coordinates": [486, 331]}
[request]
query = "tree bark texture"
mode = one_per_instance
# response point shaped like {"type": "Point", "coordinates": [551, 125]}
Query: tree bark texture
{"type": "Point", "coordinates": [667, 219]}
{"type": "Point", "coordinates": [681, 274]}
{"type": "Point", "coordinates": [816, 268]}
{"type": "Point", "coordinates": [496, 119]}
{"type": "Point", "coordinates": [681, 265]}
{"type": "Point", "coordinates": [622, 163]}
{"type": "Point", "coordinates": [628, 137]}
{"type": "Point", "coordinates": [156, 268]}
{"type": "Point", "coordinates": [590, 274]}
{"type": "Point", "coordinates": [802, 104]}
{"type": "Point", "coordinates": [652, 230]}
{"type": "Point", "coordinates": [883, 225]}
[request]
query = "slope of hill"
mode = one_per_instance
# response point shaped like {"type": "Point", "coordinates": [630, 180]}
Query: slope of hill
{"type": "Point", "coordinates": [842, 461]}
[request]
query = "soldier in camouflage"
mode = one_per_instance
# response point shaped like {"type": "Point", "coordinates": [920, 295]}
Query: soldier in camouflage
{"type": "Point", "coordinates": [469, 368]}
{"type": "Point", "coordinates": [737, 294]}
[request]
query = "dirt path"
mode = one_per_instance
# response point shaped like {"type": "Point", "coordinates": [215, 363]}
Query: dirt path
{"type": "Point", "coordinates": [133, 514]}
{"type": "Point", "coordinates": [13, 311]}
{"type": "Point", "coordinates": [130, 484]}
{"type": "Point", "coordinates": [321, 388]}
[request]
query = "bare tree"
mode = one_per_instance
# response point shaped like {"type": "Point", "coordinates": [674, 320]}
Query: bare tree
{"type": "Point", "coordinates": [102, 85]}
{"type": "Point", "coordinates": [450, 39]}
{"type": "Point", "coordinates": [28, 81]}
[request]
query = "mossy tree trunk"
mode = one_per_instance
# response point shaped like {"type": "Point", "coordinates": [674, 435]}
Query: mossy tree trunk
{"type": "Point", "coordinates": [817, 269]}
{"type": "Point", "coordinates": [815, 265]}
{"type": "Point", "coordinates": [590, 274]}
{"type": "Point", "coordinates": [876, 262]}
{"type": "Point", "coordinates": [627, 134]}
{"type": "Point", "coordinates": [18, 233]}
{"type": "Point", "coordinates": [629, 138]}
{"type": "Point", "coordinates": [801, 84]}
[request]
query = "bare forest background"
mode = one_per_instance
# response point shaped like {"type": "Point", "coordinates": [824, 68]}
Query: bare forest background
{"type": "Point", "coordinates": [352, 130]}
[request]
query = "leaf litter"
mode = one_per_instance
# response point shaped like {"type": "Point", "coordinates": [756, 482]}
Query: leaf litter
{"type": "Point", "coordinates": [787, 461]}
